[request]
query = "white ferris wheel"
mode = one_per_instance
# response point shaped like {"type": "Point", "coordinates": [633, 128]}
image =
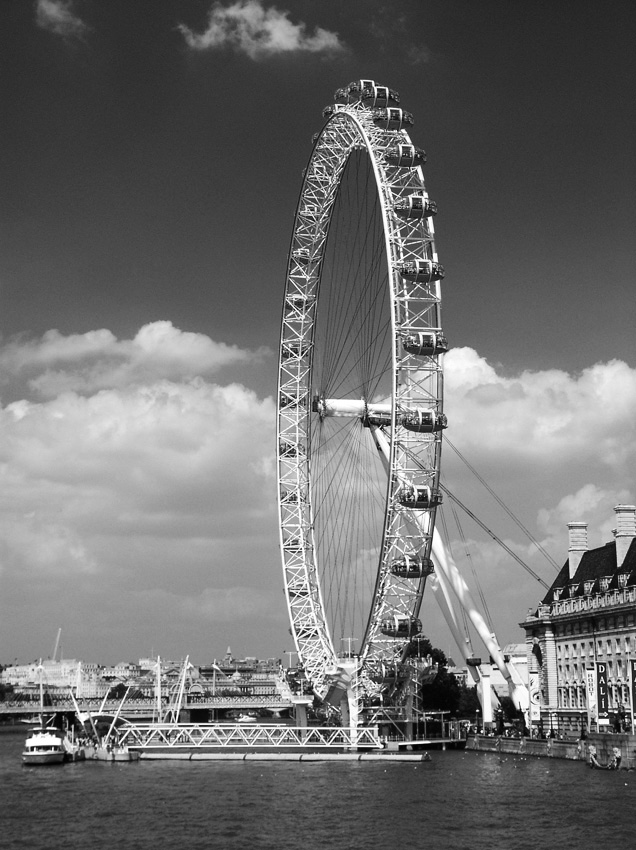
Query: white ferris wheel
{"type": "Point", "coordinates": [360, 400]}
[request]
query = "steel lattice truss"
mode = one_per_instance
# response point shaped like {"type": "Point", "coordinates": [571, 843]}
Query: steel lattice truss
{"type": "Point", "coordinates": [406, 427]}
{"type": "Point", "coordinates": [159, 737]}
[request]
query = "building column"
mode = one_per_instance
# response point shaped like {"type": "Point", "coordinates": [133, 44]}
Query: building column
{"type": "Point", "coordinates": [550, 666]}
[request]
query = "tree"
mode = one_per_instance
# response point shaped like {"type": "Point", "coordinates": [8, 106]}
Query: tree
{"type": "Point", "coordinates": [442, 694]}
{"type": "Point", "coordinates": [469, 703]}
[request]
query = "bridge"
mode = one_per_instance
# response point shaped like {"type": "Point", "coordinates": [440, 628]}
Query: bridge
{"type": "Point", "coordinates": [147, 707]}
{"type": "Point", "coordinates": [191, 741]}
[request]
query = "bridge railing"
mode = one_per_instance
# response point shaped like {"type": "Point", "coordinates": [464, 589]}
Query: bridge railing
{"type": "Point", "coordinates": [149, 736]}
{"type": "Point", "coordinates": [138, 706]}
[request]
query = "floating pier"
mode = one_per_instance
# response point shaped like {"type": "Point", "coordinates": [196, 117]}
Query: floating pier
{"type": "Point", "coordinates": [255, 741]}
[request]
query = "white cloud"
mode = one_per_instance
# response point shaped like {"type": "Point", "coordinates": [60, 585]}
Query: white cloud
{"type": "Point", "coordinates": [588, 502]}
{"type": "Point", "coordinates": [58, 17]}
{"type": "Point", "coordinates": [554, 447]}
{"type": "Point", "coordinates": [248, 27]}
{"type": "Point", "coordinates": [96, 360]}
{"type": "Point", "coordinates": [137, 484]}
{"type": "Point", "coordinates": [543, 417]}
{"type": "Point", "coordinates": [138, 490]}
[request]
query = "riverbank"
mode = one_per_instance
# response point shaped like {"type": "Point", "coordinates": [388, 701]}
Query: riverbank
{"type": "Point", "coordinates": [574, 750]}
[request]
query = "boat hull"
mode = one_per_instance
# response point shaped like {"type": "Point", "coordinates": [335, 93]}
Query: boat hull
{"type": "Point", "coordinates": [44, 746]}
{"type": "Point", "coordinates": [43, 758]}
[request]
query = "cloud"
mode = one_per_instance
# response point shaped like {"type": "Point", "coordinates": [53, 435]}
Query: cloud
{"type": "Point", "coordinates": [86, 363]}
{"type": "Point", "coordinates": [138, 492]}
{"type": "Point", "coordinates": [248, 27]}
{"type": "Point", "coordinates": [142, 480]}
{"type": "Point", "coordinates": [57, 16]}
{"type": "Point", "coordinates": [555, 448]}
{"type": "Point", "coordinates": [544, 417]}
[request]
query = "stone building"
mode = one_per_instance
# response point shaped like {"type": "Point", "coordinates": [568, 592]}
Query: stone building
{"type": "Point", "coordinates": [588, 615]}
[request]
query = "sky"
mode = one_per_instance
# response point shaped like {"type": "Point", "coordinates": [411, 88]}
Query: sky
{"type": "Point", "coordinates": [151, 159]}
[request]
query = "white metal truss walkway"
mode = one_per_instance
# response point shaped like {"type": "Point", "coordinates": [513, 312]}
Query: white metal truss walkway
{"type": "Point", "coordinates": [153, 739]}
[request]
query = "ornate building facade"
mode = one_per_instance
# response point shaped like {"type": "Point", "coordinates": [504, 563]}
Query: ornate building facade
{"type": "Point", "coordinates": [587, 616]}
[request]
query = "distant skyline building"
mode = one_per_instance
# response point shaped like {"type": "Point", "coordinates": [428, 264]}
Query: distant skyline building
{"type": "Point", "coordinates": [586, 619]}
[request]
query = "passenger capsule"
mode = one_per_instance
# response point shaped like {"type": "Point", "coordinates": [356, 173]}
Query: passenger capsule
{"type": "Point", "coordinates": [301, 255]}
{"type": "Point", "coordinates": [423, 421]}
{"type": "Point", "coordinates": [422, 271]}
{"type": "Point", "coordinates": [293, 497]}
{"type": "Point", "coordinates": [310, 211]}
{"type": "Point", "coordinates": [473, 661]}
{"type": "Point", "coordinates": [342, 95]}
{"type": "Point", "coordinates": [400, 626]}
{"type": "Point", "coordinates": [405, 156]}
{"type": "Point", "coordinates": [287, 449]}
{"type": "Point", "coordinates": [415, 206]}
{"type": "Point", "coordinates": [412, 566]}
{"type": "Point", "coordinates": [392, 118]}
{"type": "Point", "coordinates": [293, 544]}
{"type": "Point", "coordinates": [374, 95]}
{"type": "Point", "coordinates": [295, 348]}
{"type": "Point", "coordinates": [366, 90]}
{"type": "Point", "coordinates": [287, 400]}
{"type": "Point", "coordinates": [419, 498]}
{"type": "Point", "coordinates": [299, 300]}
{"type": "Point", "coordinates": [332, 109]}
{"type": "Point", "coordinates": [425, 344]}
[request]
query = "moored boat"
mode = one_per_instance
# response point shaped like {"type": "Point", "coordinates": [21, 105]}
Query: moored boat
{"type": "Point", "coordinates": [44, 746]}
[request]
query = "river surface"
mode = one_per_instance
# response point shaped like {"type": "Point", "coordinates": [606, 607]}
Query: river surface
{"type": "Point", "coordinates": [459, 800]}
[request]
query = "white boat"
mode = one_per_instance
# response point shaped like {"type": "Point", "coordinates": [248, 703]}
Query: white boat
{"type": "Point", "coordinates": [44, 746]}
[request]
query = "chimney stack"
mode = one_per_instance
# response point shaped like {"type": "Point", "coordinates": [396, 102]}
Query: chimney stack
{"type": "Point", "coordinates": [625, 531]}
{"type": "Point", "coordinates": [578, 545]}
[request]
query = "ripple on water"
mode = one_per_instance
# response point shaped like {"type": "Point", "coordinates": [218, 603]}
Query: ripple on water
{"type": "Point", "coordinates": [476, 801]}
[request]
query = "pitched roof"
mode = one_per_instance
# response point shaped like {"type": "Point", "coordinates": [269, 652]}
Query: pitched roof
{"type": "Point", "coordinates": [595, 564]}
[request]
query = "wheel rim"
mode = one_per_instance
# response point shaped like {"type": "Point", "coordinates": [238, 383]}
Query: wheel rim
{"type": "Point", "coordinates": [354, 294]}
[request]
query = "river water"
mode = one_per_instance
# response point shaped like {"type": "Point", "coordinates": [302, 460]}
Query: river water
{"type": "Point", "coordinates": [458, 800]}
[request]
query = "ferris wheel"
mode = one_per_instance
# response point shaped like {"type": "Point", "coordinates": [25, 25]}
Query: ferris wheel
{"type": "Point", "coordinates": [360, 395]}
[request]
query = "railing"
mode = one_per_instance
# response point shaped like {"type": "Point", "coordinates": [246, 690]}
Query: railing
{"type": "Point", "coordinates": [133, 707]}
{"type": "Point", "coordinates": [157, 736]}
{"type": "Point", "coordinates": [578, 604]}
